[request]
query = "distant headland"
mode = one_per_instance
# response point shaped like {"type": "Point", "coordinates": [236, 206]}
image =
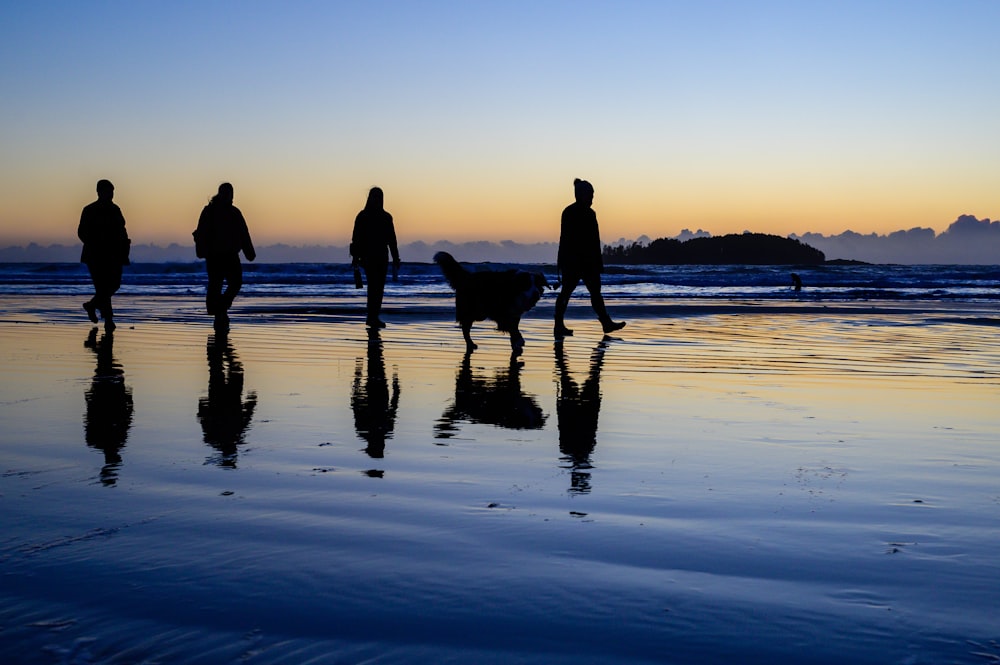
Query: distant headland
{"type": "Point", "coordinates": [734, 248]}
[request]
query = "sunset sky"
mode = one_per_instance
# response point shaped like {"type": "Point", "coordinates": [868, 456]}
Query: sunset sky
{"type": "Point", "coordinates": [474, 117]}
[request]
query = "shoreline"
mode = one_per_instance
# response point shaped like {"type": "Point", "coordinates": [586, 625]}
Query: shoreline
{"type": "Point", "coordinates": [144, 309]}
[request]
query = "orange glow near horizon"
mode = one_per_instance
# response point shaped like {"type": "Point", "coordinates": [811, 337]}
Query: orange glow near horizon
{"type": "Point", "coordinates": [314, 201]}
{"type": "Point", "coordinates": [324, 215]}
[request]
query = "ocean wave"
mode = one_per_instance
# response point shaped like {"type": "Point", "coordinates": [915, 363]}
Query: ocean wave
{"type": "Point", "coordinates": [735, 282]}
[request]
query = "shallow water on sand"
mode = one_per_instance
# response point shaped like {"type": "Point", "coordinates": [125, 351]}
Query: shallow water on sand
{"type": "Point", "coordinates": [728, 487]}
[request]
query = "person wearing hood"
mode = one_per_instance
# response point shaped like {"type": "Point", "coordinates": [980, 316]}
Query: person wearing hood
{"type": "Point", "coordinates": [221, 235]}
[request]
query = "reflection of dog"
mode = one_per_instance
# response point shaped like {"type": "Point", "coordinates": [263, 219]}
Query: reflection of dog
{"type": "Point", "coordinates": [501, 295]}
{"type": "Point", "coordinates": [497, 400]}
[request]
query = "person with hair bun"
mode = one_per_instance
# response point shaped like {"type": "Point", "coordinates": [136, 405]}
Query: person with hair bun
{"type": "Point", "coordinates": [580, 259]}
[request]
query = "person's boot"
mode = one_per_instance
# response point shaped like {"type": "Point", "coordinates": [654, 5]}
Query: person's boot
{"type": "Point", "coordinates": [561, 331]}
{"type": "Point", "coordinates": [91, 310]}
{"type": "Point", "coordinates": [611, 326]}
{"type": "Point", "coordinates": [108, 314]}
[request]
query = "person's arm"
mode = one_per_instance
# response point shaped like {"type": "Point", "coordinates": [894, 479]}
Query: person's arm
{"type": "Point", "coordinates": [83, 229]}
{"type": "Point", "coordinates": [201, 235]}
{"type": "Point", "coordinates": [355, 248]}
{"type": "Point", "coordinates": [124, 243]}
{"type": "Point", "coordinates": [203, 220]}
{"type": "Point", "coordinates": [248, 249]}
{"type": "Point", "coordinates": [597, 240]}
{"type": "Point", "coordinates": [121, 224]}
{"type": "Point", "coordinates": [564, 241]}
{"type": "Point", "coordinates": [393, 248]}
{"type": "Point", "coordinates": [247, 243]}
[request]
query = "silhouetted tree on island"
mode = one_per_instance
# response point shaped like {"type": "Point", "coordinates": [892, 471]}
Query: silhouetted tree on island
{"type": "Point", "coordinates": [735, 248]}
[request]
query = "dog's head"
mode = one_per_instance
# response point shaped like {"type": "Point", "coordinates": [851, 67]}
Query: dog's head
{"type": "Point", "coordinates": [532, 286]}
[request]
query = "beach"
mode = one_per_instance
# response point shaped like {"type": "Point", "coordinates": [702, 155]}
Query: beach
{"type": "Point", "coordinates": [719, 482]}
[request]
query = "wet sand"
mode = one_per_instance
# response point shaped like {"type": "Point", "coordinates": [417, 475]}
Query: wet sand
{"type": "Point", "coordinates": [719, 483]}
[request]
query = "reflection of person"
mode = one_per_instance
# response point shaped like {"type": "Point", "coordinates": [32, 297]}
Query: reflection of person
{"type": "Point", "coordinates": [374, 408]}
{"type": "Point", "coordinates": [105, 250]}
{"type": "Point", "coordinates": [374, 238]}
{"type": "Point", "coordinates": [580, 259]}
{"type": "Point", "coordinates": [499, 401]}
{"type": "Point", "coordinates": [577, 411]}
{"type": "Point", "coordinates": [221, 234]}
{"type": "Point", "coordinates": [223, 414]}
{"type": "Point", "coordinates": [109, 406]}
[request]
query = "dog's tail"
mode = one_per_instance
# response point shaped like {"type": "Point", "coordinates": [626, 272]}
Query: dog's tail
{"type": "Point", "coordinates": [452, 269]}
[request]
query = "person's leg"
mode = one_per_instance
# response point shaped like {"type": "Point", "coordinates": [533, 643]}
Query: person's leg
{"type": "Point", "coordinates": [376, 272]}
{"type": "Point", "coordinates": [234, 281]}
{"type": "Point", "coordinates": [569, 283]}
{"type": "Point", "coordinates": [213, 293]}
{"type": "Point", "coordinates": [107, 313]}
{"type": "Point", "coordinates": [91, 305]}
{"type": "Point", "coordinates": [107, 280]}
{"type": "Point", "coordinates": [229, 271]}
{"type": "Point", "coordinates": [593, 283]}
{"type": "Point", "coordinates": [110, 283]}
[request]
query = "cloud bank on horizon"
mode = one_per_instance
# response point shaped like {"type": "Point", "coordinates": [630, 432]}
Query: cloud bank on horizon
{"type": "Point", "coordinates": [967, 240]}
{"type": "Point", "coordinates": [774, 115]}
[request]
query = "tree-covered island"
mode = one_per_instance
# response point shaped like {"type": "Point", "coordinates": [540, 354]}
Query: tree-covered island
{"type": "Point", "coordinates": [735, 248]}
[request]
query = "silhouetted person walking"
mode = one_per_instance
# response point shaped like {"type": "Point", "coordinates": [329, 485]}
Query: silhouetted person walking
{"type": "Point", "coordinates": [374, 238]}
{"type": "Point", "coordinates": [105, 250]}
{"type": "Point", "coordinates": [109, 406]}
{"type": "Point", "coordinates": [580, 258]}
{"type": "Point", "coordinates": [221, 234]}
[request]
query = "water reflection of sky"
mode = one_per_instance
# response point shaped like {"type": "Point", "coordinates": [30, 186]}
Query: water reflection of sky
{"type": "Point", "coordinates": [753, 482]}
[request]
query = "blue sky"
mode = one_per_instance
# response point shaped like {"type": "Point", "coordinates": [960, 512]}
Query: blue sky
{"type": "Point", "coordinates": [781, 117]}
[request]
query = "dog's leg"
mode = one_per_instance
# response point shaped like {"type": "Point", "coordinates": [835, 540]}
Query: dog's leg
{"type": "Point", "coordinates": [467, 333]}
{"type": "Point", "coordinates": [516, 343]}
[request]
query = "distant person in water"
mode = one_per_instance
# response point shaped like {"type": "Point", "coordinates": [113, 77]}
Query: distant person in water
{"type": "Point", "coordinates": [796, 282]}
{"type": "Point", "coordinates": [373, 240]}
{"type": "Point", "coordinates": [105, 250]}
{"type": "Point", "coordinates": [221, 234]}
{"type": "Point", "coordinates": [580, 259]}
